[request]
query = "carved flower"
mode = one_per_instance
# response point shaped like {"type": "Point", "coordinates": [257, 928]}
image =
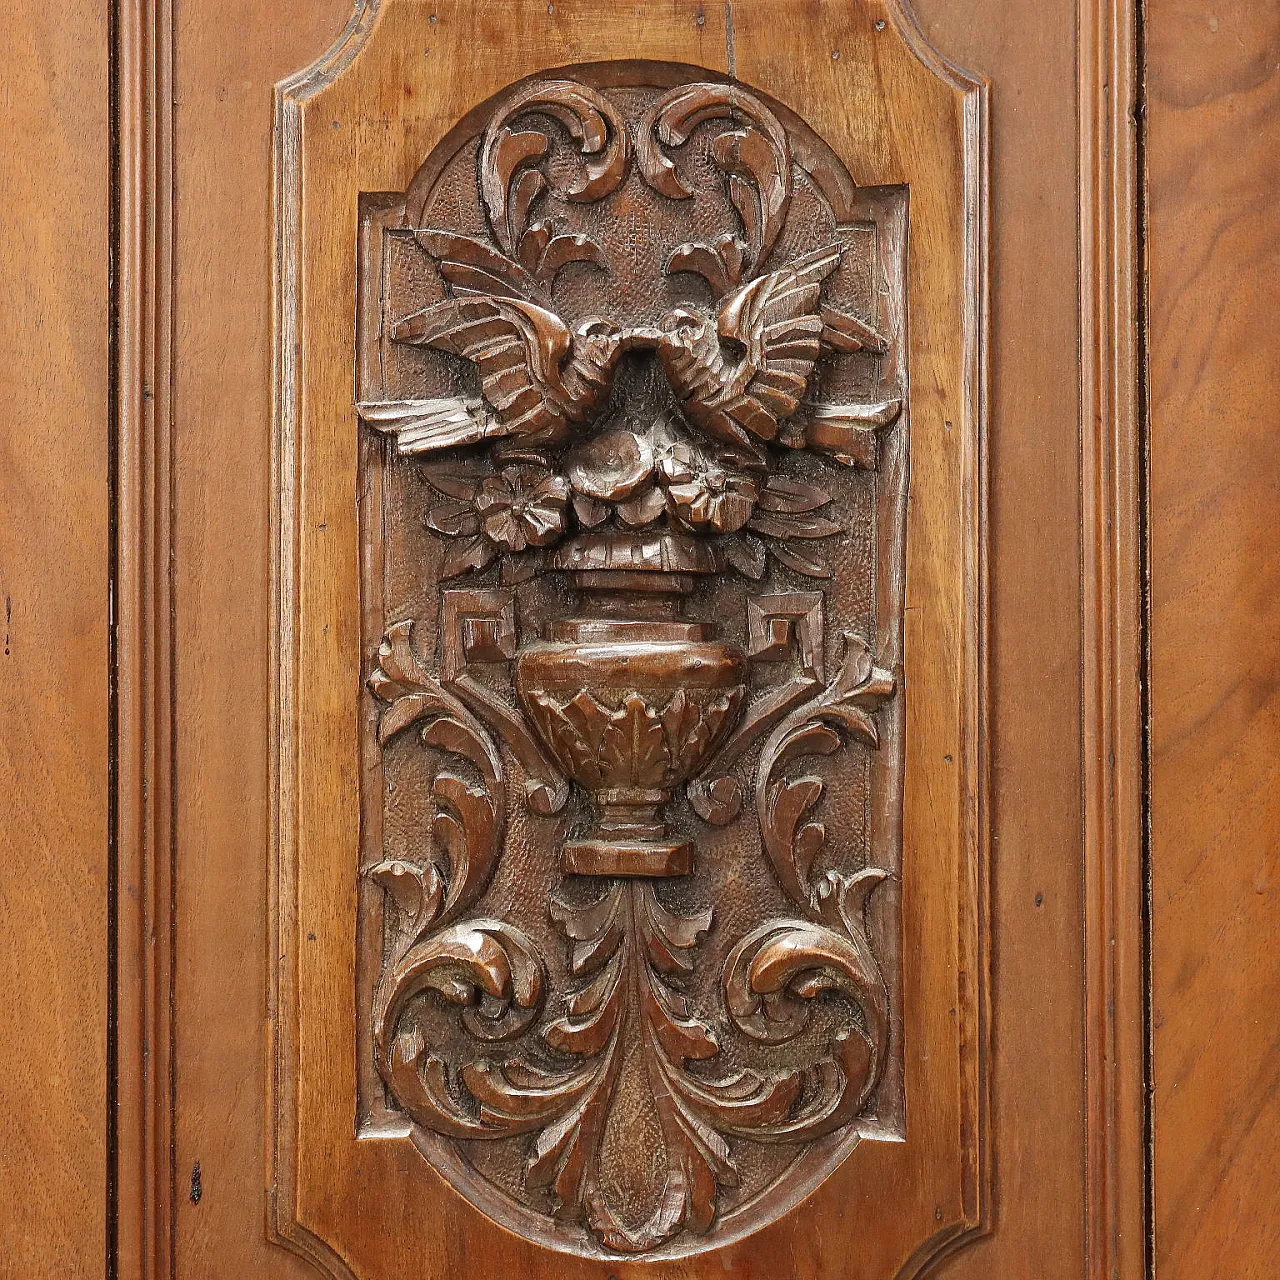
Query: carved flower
{"type": "Point", "coordinates": [522, 507]}
{"type": "Point", "coordinates": [610, 467]}
{"type": "Point", "coordinates": [713, 499]}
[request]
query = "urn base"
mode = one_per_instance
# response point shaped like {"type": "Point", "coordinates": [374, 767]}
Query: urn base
{"type": "Point", "coordinates": [627, 858]}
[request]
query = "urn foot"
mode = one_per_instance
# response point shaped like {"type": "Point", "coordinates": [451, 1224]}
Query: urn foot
{"type": "Point", "coordinates": [627, 858]}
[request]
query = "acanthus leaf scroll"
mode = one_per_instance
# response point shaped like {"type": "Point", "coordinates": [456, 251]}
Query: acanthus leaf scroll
{"type": "Point", "coordinates": [639, 367]}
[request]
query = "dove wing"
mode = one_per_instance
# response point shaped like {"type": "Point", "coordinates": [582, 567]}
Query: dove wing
{"type": "Point", "coordinates": [777, 319]}
{"type": "Point", "coordinates": [518, 348]}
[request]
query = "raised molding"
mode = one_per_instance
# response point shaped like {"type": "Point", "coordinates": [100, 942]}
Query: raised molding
{"type": "Point", "coordinates": [141, 1128]}
{"type": "Point", "coordinates": [1112, 613]}
{"type": "Point", "coordinates": [294, 1171]}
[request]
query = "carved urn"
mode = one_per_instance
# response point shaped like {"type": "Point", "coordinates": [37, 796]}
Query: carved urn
{"type": "Point", "coordinates": [631, 701]}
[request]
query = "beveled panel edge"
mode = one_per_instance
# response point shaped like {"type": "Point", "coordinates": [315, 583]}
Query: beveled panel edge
{"type": "Point", "coordinates": [980, 1185]}
{"type": "Point", "coordinates": [282, 1225]}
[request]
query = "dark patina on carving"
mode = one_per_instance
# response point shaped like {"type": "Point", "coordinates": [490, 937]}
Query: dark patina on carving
{"type": "Point", "coordinates": [631, 370]}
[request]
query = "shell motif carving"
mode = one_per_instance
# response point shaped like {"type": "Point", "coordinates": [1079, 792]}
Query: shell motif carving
{"type": "Point", "coordinates": [634, 354]}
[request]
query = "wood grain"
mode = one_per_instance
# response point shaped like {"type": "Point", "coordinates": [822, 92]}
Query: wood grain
{"type": "Point", "coordinates": [1037, 898]}
{"type": "Point", "coordinates": [54, 558]}
{"type": "Point", "coordinates": [1214, 84]}
{"type": "Point", "coordinates": [144, 639]}
{"type": "Point", "coordinates": [229, 54]}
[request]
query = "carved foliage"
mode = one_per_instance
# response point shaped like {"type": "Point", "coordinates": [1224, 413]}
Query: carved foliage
{"type": "Point", "coordinates": [846, 705]}
{"type": "Point", "coordinates": [512, 177]}
{"type": "Point", "coordinates": [469, 819]}
{"type": "Point", "coordinates": [755, 158]}
{"type": "Point", "coordinates": [635, 744]}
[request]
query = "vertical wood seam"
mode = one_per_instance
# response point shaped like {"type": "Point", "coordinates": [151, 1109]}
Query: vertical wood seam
{"type": "Point", "coordinates": [143, 670]}
{"type": "Point", "coordinates": [1112, 637]}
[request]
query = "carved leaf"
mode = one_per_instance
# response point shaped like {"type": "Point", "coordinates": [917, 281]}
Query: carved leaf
{"type": "Point", "coordinates": [847, 703]}
{"type": "Point", "coordinates": [593, 1014]}
{"type": "Point", "coordinates": [418, 897]}
{"type": "Point", "coordinates": [460, 488]}
{"type": "Point", "coordinates": [680, 1036]}
{"type": "Point", "coordinates": [402, 713]}
{"type": "Point", "coordinates": [465, 826]}
{"type": "Point", "coordinates": [533, 244]}
{"type": "Point", "coordinates": [575, 732]}
{"type": "Point", "coordinates": [747, 555]}
{"type": "Point", "coordinates": [589, 118]}
{"type": "Point", "coordinates": [418, 1079]}
{"type": "Point", "coordinates": [687, 732]}
{"type": "Point", "coordinates": [632, 748]}
{"type": "Point", "coordinates": [505, 154]}
{"type": "Point", "coordinates": [722, 714]}
{"type": "Point", "coordinates": [520, 1099]}
{"type": "Point", "coordinates": [770, 977]}
{"type": "Point", "coordinates": [791, 497]}
{"type": "Point", "coordinates": [564, 249]}
{"type": "Point", "coordinates": [524, 191]}
{"type": "Point", "coordinates": [453, 519]}
{"type": "Point", "coordinates": [755, 156]}
{"type": "Point", "coordinates": [596, 930]}
{"type": "Point", "coordinates": [469, 556]}
{"type": "Point", "coordinates": [473, 268]}
{"type": "Point", "coordinates": [669, 938]}
{"type": "Point", "coordinates": [489, 968]}
{"type": "Point", "coordinates": [774, 525]}
{"type": "Point", "coordinates": [759, 184]}
{"type": "Point", "coordinates": [469, 819]}
{"type": "Point", "coordinates": [810, 568]}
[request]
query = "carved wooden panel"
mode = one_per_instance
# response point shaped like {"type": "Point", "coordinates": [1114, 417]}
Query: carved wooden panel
{"type": "Point", "coordinates": [634, 340]}
{"type": "Point", "coordinates": [623, 884]}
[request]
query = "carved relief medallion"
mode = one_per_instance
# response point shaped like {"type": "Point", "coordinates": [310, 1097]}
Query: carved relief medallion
{"type": "Point", "coordinates": [632, 380]}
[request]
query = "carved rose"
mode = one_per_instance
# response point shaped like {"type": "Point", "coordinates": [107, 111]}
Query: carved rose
{"type": "Point", "coordinates": [676, 461]}
{"type": "Point", "coordinates": [522, 507]}
{"type": "Point", "coordinates": [611, 466]}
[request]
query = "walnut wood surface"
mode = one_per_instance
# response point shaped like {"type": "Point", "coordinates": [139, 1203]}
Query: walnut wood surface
{"type": "Point", "coordinates": [1214, 83]}
{"type": "Point", "coordinates": [1062, 1206]}
{"type": "Point", "coordinates": [54, 564]}
{"type": "Point", "coordinates": [944, 925]}
{"type": "Point", "coordinates": [229, 54]}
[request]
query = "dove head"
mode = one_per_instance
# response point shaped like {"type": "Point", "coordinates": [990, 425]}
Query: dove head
{"type": "Point", "coordinates": [599, 342]}
{"type": "Point", "coordinates": [684, 324]}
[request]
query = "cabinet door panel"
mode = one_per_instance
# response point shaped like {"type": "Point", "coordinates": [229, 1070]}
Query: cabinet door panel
{"type": "Point", "coordinates": [771, 318]}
